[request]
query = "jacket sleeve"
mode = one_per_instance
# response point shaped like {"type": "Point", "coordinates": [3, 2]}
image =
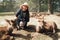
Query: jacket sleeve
{"type": "Point", "coordinates": [18, 12]}
{"type": "Point", "coordinates": [28, 16]}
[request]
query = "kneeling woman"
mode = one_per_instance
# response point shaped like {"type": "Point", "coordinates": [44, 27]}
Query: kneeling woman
{"type": "Point", "coordinates": [23, 13]}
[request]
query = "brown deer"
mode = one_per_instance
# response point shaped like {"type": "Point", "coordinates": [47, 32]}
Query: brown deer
{"type": "Point", "coordinates": [46, 25]}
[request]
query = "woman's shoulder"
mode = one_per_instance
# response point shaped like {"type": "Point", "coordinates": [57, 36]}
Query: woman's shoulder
{"type": "Point", "coordinates": [19, 10]}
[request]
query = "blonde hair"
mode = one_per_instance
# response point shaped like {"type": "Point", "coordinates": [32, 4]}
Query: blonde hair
{"type": "Point", "coordinates": [25, 4]}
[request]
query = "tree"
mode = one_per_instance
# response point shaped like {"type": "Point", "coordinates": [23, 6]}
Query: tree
{"type": "Point", "coordinates": [50, 6]}
{"type": "Point", "coordinates": [7, 5]}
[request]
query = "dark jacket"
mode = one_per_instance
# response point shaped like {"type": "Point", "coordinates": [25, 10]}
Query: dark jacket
{"type": "Point", "coordinates": [20, 15]}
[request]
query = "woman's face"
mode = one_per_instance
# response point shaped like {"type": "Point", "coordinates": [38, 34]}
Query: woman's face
{"type": "Point", "coordinates": [24, 8]}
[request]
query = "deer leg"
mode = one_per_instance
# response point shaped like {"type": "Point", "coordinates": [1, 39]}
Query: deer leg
{"type": "Point", "coordinates": [53, 30]}
{"type": "Point", "coordinates": [37, 29]}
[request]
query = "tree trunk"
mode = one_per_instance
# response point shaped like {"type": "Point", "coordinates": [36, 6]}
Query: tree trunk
{"type": "Point", "coordinates": [50, 6]}
{"type": "Point", "coordinates": [38, 7]}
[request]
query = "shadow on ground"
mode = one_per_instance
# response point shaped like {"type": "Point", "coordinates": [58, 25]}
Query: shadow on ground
{"type": "Point", "coordinates": [28, 37]}
{"type": "Point", "coordinates": [30, 29]}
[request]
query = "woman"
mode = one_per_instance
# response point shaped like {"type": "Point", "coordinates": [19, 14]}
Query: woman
{"type": "Point", "coordinates": [23, 13]}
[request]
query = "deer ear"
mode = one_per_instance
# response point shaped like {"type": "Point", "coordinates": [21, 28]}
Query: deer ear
{"type": "Point", "coordinates": [8, 21]}
{"type": "Point", "coordinates": [12, 21]}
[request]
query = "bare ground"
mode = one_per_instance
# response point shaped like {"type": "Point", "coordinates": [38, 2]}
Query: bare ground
{"type": "Point", "coordinates": [30, 35]}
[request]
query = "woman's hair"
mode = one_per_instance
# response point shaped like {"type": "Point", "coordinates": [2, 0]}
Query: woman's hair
{"type": "Point", "coordinates": [25, 6]}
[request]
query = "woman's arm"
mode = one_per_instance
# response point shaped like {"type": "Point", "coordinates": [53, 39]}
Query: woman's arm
{"type": "Point", "coordinates": [28, 16]}
{"type": "Point", "coordinates": [18, 12]}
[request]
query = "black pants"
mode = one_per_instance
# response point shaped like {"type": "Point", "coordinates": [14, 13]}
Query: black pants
{"type": "Point", "coordinates": [18, 21]}
{"type": "Point", "coordinates": [25, 25]}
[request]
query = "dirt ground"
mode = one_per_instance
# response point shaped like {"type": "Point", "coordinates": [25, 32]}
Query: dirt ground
{"type": "Point", "coordinates": [31, 35]}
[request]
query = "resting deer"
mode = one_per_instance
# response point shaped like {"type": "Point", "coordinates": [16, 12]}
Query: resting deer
{"type": "Point", "coordinates": [46, 25]}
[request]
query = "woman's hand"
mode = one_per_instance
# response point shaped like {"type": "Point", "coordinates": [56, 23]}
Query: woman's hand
{"type": "Point", "coordinates": [15, 17]}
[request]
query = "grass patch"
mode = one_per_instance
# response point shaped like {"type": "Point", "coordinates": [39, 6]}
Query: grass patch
{"type": "Point", "coordinates": [6, 13]}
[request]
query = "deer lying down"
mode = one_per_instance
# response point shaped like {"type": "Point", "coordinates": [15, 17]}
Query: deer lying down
{"type": "Point", "coordinates": [5, 26]}
{"type": "Point", "coordinates": [46, 25]}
